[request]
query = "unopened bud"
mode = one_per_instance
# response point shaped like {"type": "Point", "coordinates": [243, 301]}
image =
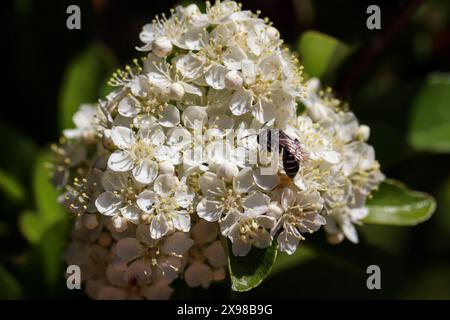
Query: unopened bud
{"type": "Point", "coordinates": [176, 91]}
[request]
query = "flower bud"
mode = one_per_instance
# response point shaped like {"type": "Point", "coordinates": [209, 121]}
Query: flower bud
{"type": "Point", "coordinates": [90, 221]}
{"type": "Point", "coordinates": [162, 47]}
{"type": "Point", "coordinates": [191, 10]}
{"type": "Point", "coordinates": [227, 171]}
{"type": "Point", "coordinates": [335, 238]}
{"type": "Point", "coordinates": [363, 133]}
{"type": "Point", "coordinates": [166, 167]}
{"type": "Point", "coordinates": [273, 33]}
{"type": "Point", "coordinates": [176, 91]}
{"type": "Point", "coordinates": [233, 80]}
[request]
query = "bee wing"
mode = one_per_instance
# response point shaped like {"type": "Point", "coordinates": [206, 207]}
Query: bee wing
{"type": "Point", "coordinates": [293, 146]}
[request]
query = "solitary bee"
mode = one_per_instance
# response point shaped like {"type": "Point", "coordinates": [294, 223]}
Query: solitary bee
{"type": "Point", "coordinates": [293, 153]}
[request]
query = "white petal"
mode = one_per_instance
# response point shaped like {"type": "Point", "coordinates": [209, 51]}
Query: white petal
{"type": "Point", "coordinates": [165, 184]}
{"type": "Point", "coordinates": [114, 181]}
{"type": "Point", "coordinates": [287, 198]}
{"type": "Point", "coordinates": [145, 200]}
{"type": "Point", "coordinates": [210, 210]}
{"type": "Point", "coordinates": [146, 171]}
{"type": "Point", "coordinates": [120, 161]}
{"type": "Point", "coordinates": [266, 182]}
{"type": "Point", "coordinates": [229, 222]}
{"type": "Point", "coordinates": [215, 77]}
{"type": "Point", "coordinates": [244, 181]}
{"type": "Point", "coordinates": [240, 102]}
{"type": "Point", "coordinates": [108, 203]}
{"type": "Point", "coordinates": [188, 88]}
{"type": "Point", "coordinates": [182, 221]}
{"type": "Point", "coordinates": [264, 111]}
{"type": "Point", "coordinates": [257, 203]}
{"type": "Point", "coordinates": [170, 116]}
{"type": "Point", "coordinates": [131, 213]}
{"type": "Point", "coordinates": [248, 71]}
{"type": "Point", "coordinates": [189, 66]}
{"type": "Point", "coordinates": [211, 185]}
{"type": "Point", "coordinates": [159, 227]}
{"type": "Point", "coordinates": [122, 137]}
{"type": "Point", "coordinates": [194, 116]}
{"type": "Point", "coordinates": [287, 242]}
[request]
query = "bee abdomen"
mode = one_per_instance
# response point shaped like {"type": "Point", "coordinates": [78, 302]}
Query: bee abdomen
{"type": "Point", "coordinates": [290, 164]}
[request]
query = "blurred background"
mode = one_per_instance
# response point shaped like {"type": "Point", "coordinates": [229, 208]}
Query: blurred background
{"type": "Point", "coordinates": [395, 79]}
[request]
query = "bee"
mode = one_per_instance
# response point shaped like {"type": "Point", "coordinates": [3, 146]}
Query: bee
{"type": "Point", "coordinates": [293, 153]}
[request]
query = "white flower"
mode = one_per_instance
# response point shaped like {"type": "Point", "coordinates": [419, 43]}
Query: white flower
{"type": "Point", "coordinates": [263, 93]}
{"type": "Point", "coordinates": [168, 204]}
{"type": "Point", "coordinates": [297, 213]}
{"type": "Point", "coordinates": [118, 199]}
{"type": "Point", "coordinates": [251, 227]}
{"type": "Point", "coordinates": [151, 112]}
{"type": "Point", "coordinates": [84, 124]}
{"type": "Point", "coordinates": [176, 29]}
{"type": "Point", "coordinates": [140, 153]}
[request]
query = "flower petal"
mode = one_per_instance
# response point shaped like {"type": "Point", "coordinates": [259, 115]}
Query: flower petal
{"type": "Point", "coordinates": [122, 137]}
{"type": "Point", "coordinates": [170, 116]}
{"type": "Point", "coordinates": [146, 171]}
{"type": "Point", "coordinates": [120, 161]}
{"type": "Point", "coordinates": [159, 227]}
{"type": "Point", "coordinates": [257, 203]}
{"type": "Point", "coordinates": [240, 102]}
{"type": "Point", "coordinates": [215, 76]}
{"type": "Point", "coordinates": [108, 203]}
{"type": "Point", "coordinates": [146, 200]}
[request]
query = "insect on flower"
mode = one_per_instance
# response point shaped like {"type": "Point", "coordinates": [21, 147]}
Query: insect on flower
{"type": "Point", "coordinates": [293, 153]}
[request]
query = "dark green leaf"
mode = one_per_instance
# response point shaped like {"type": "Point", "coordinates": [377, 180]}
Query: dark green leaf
{"type": "Point", "coordinates": [10, 288]}
{"type": "Point", "coordinates": [11, 187]}
{"type": "Point", "coordinates": [430, 121]}
{"type": "Point", "coordinates": [248, 272]}
{"type": "Point", "coordinates": [84, 81]}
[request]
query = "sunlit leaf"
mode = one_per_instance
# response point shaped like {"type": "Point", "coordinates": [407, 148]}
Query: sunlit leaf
{"type": "Point", "coordinates": [48, 210]}
{"type": "Point", "coordinates": [394, 204]}
{"type": "Point", "coordinates": [321, 53]}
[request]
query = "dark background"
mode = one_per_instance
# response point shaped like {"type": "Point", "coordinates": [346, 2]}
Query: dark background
{"type": "Point", "coordinates": [380, 85]}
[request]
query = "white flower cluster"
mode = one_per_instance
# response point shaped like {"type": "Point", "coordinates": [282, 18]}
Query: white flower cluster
{"type": "Point", "coordinates": [161, 169]}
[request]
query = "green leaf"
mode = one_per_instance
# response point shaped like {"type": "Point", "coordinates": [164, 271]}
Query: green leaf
{"type": "Point", "coordinates": [11, 187]}
{"type": "Point", "coordinates": [321, 53]}
{"type": "Point", "coordinates": [49, 211]}
{"type": "Point", "coordinates": [248, 272]}
{"type": "Point", "coordinates": [21, 152]}
{"type": "Point", "coordinates": [394, 204]}
{"type": "Point", "coordinates": [10, 288]}
{"type": "Point", "coordinates": [430, 120]}
{"type": "Point", "coordinates": [84, 80]}
{"type": "Point", "coordinates": [50, 251]}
